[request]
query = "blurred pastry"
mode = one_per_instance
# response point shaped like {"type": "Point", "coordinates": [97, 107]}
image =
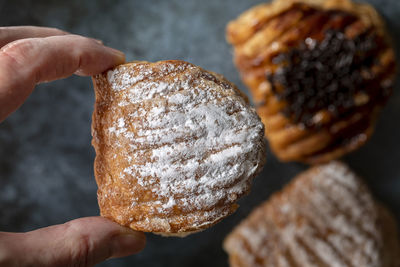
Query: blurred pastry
{"type": "Point", "coordinates": [176, 146]}
{"type": "Point", "coordinates": [325, 217]}
{"type": "Point", "coordinates": [319, 72]}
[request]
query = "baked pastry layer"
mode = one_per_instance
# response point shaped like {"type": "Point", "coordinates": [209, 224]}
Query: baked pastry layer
{"type": "Point", "coordinates": [325, 217]}
{"type": "Point", "coordinates": [319, 72]}
{"type": "Point", "coordinates": [176, 146]}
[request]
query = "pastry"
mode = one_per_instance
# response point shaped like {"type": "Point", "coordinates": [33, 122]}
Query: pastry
{"type": "Point", "coordinates": [176, 146]}
{"type": "Point", "coordinates": [325, 217]}
{"type": "Point", "coordinates": [319, 72]}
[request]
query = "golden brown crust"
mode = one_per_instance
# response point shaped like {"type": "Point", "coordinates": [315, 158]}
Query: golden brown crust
{"type": "Point", "coordinates": [325, 217]}
{"type": "Point", "coordinates": [176, 146]}
{"type": "Point", "coordinates": [248, 23]}
{"type": "Point", "coordinates": [267, 31]}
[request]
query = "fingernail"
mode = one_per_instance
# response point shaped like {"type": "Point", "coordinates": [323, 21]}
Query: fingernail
{"type": "Point", "coordinates": [98, 41]}
{"type": "Point", "coordinates": [127, 244]}
{"type": "Point", "coordinates": [119, 56]}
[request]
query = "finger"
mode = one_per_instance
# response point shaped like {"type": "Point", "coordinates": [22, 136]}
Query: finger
{"type": "Point", "coordinates": [81, 242]}
{"type": "Point", "coordinates": [26, 62]}
{"type": "Point", "coordinates": [10, 34]}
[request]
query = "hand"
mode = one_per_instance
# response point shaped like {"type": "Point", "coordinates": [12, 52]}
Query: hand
{"type": "Point", "coordinates": [32, 55]}
{"type": "Point", "coordinates": [28, 56]}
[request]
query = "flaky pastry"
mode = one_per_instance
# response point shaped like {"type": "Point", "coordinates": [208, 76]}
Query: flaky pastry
{"type": "Point", "coordinates": [319, 72]}
{"type": "Point", "coordinates": [176, 146]}
{"type": "Point", "coordinates": [325, 217]}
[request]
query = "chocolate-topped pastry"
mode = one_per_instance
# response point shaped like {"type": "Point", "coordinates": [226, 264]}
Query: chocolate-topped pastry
{"type": "Point", "coordinates": [319, 72]}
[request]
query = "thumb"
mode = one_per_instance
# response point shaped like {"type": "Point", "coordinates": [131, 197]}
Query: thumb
{"type": "Point", "coordinates": [81, 242]}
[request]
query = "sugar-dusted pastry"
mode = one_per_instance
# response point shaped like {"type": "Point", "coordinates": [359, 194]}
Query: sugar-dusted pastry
{"type": "Point", "coordinates": [319, 72]}
{"type": "Point", "coordinates": [176, 146]}
{"type": "Point", "coordinates": [325, 217]}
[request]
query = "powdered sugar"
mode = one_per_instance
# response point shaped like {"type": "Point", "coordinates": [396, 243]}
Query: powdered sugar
{"type": "Point", "coordinates": [202, 142]}
{"type": "Point", "coordinates": [326, 217]}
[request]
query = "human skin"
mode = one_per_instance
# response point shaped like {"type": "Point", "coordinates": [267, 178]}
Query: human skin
{"type": "Point", "coordinates": [28, 56]}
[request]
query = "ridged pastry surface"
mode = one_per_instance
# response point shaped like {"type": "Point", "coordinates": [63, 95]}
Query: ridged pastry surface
{"type": "Point", "coordinates": [325, 217]}
{"type": "Point", "coordinates": [319, 72]}
{"type": "Point", "coordinates": [176, 146]}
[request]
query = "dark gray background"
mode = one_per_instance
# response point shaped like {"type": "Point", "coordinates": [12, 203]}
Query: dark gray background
{"type": "Point", "coordinates": [46, 160]}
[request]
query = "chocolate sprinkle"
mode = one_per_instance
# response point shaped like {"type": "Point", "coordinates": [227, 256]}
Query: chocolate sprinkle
{"type": "Point", "coordinates": [325, 74]}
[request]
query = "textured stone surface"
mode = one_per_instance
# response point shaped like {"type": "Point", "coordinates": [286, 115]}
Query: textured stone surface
{"type": "Point", "coordinates": [46, 160]}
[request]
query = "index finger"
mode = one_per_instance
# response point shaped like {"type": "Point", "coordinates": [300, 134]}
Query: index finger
{"type": "Point", "coordinates": [26, 62]}
{"type": "Point", "coordinates": [13, 33]}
